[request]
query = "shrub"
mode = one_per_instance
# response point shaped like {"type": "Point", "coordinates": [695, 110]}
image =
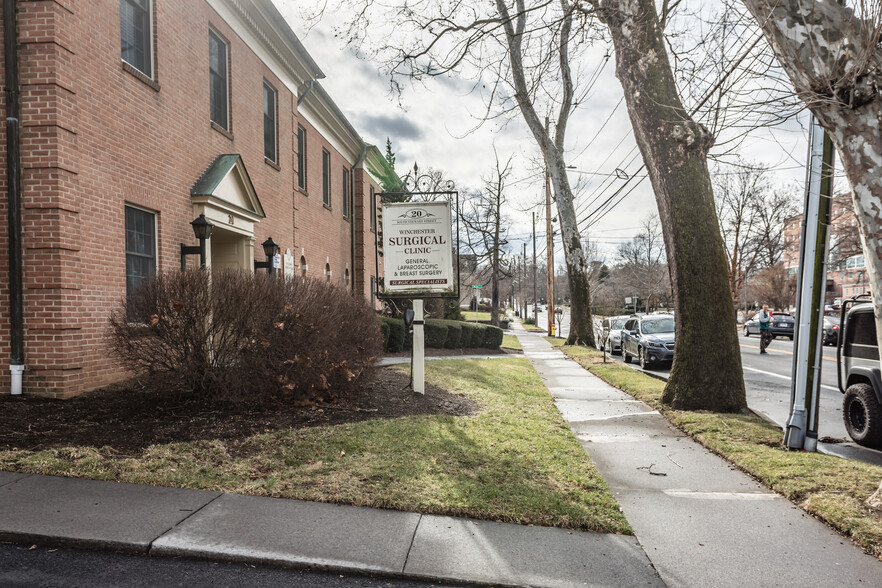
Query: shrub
{"type": "Point", "coordinates": [529, 320]}
{"type": "Point", "coordinates": [492, 337]}
{"type": "Point", "coordinates": [385, 329]}
{"type": "Point", "coordinates": [454, 335]}
{"type": "Point", "coordinates": [396, 334]}
{"type": "Point", "coordinates": [236, 336]}
{"type": "Point", "coordinates": [469, 331]}
{"type": "Point", "coordinates": [435, 332]}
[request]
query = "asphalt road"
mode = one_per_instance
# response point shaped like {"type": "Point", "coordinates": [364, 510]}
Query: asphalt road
{"type": "Point", "coordinates": [21, 565]}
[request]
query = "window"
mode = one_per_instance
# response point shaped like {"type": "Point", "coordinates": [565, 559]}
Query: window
{"type": "Point", "coordinates": [140, 247]}
{"type": "Point", "coordinates": [373, 210]}
{"type": "Point", "coordinates": [269, 123]}
{"type": "Point", "coordinates": [301, 157]}
{"type": "Point", "coordinates": [218, 75]}
{"type": "Point", "coordinates": [303, 266]}
{"type": "Point", "coordinates": [326, 177]}
{"type": "Point", "coordinates": [345, 193]}
{"type": "Point", "coordinates": [136, 34]}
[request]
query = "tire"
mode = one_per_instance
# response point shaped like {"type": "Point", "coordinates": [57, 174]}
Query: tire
{"type": "Point", "coordinates": [641, 357]}
{"type": "Point", "coordinates": [746, 331]}
{"type": "Point", "coordinates": [626, 356]}
{"type": "Point", "coordinates": [862, 415]}
{"type": "Point", "coordinates": [791, 337]}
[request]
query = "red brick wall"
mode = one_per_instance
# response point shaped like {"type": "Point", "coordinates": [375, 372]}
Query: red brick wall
{"type": "Point", "coordinates": [96, 137]}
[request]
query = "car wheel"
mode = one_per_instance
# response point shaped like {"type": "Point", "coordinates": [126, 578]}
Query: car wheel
{"type": "Point", "coordinates": [746, 331]}
{"type": "Point", "coordinates": [626, 356]}
{"type": "Point", "coordinates": [641, 357]}
{"type": "Point", "coordinates": [791, 337]}
{"type": "Point", "coordinates": [862, 414]}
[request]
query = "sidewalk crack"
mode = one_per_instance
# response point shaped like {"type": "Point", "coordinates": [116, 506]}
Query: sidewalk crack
{"type": "Point", "coordinates": [412, 539]}
{"type": "Point", "coordinates": [178, 524]}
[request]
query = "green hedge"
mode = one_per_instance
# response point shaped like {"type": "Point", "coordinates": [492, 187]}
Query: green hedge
{"type": "Point", "coordinates": [439, 334]}
{"type": "Point", "coordinates": [396, 334]}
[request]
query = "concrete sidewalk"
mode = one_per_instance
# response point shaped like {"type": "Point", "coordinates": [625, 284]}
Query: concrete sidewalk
{"type": "Point", "coordinates": [67, 512]}
{"type": "Point", "coordinates": [700, 521]}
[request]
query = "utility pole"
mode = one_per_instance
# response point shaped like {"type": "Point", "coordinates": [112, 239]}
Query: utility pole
{"type": "Point", "coordinates": [549, 245]}
{"type": "Point", "coordinates": [524, 296]}
{"type": "Point", "coordinates": [535, 301]}
{"type": "Point", "coordinates": [802, 426]}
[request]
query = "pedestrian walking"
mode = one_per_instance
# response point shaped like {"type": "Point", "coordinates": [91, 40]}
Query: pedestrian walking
{"type": "Point", "coordinates": [765, 327]}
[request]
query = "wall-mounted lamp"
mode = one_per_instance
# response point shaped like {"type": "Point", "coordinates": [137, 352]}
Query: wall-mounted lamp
{"type": "Point", "coordinates": [202, 229]}
{"type": "Point", "coordinates": [270, 249]}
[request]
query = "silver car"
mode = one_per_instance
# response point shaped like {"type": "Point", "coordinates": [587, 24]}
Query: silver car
{"type": "Point", "coordinates": [610, 337]}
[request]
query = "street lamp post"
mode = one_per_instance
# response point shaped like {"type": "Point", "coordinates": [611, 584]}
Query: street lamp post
{"type": "Point", "coordinates": [202, 229]}
{"type": "Point", "coordinates": [270, 249]}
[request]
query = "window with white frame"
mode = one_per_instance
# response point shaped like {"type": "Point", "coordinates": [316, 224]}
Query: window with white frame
{"type": "Point", "coordinates": [140, 247]}
{"type": "Point", "coordinates": [136, 34]}
{"type": "Point", "coordinates": [326, 177]}
{"type": "Point", "coordinates": [345, 193]}
{"type": "Point", "coordinates": [301, 157]}
{"type": "Point", "coordinates": [218, 74]}
{"type": "Point", "coordinates": [270, 125]}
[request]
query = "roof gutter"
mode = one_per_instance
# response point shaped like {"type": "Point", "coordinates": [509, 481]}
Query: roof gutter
{"type": "Point", "coordinates": [13, 185]}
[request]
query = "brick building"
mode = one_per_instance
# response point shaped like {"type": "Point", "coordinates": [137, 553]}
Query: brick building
{"type": "Point", "coordinates": [136, 117]}
{"type": "Point", "coordinates": [846, 269]}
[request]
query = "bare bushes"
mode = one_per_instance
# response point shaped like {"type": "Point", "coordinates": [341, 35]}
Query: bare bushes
{"type": "Point", "coordinates": [235, 336]}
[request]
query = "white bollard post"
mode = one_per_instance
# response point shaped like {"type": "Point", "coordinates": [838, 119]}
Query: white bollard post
{"type": "Point", "coordinates": [419, 348]}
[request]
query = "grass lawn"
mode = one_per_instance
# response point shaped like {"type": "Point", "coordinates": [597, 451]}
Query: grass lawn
{"type": "Point", "coordinates": [511, 342]}
{"type": "Point", "coordinates": [469, 316]}
{"type": "Point", "coordinates": [830, 488]}
{"type": "Point", "coordinates": [514, 460]}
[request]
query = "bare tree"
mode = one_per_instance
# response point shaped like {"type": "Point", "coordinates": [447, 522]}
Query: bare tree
{"type": "Point", "coordinates": [485, 229]}
{"type": "Point", "coordinates": [641, 267]}
{"type": "Point", "coordinates": [832, 55]}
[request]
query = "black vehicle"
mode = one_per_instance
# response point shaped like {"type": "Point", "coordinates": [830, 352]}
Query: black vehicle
{"type": "Point", "coordinates": [649, 338]}
{"type": "Point", "coordinates": [782, 325]}
{"type": "Point", "coordinates": [831, 331]}
{"type": "Point", "coordinates": [857, 359]}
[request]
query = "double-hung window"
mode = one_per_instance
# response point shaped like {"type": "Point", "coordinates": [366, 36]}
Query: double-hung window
{"type": "Point", "coordinates": [270, 126]}
{"type": "Point", "coordinates": [373, 210]}
{"type": "Point", "coordinates": [301, 157]}
{"type": "Point", "coordinates": [218, 74]}
{"type": "Point", "coordinates": [140, 247]}
{"type": "Point", "coordinates": [326, 177]}
{"type": "Point", "coordinates": [136, 34]}
{"type": "Point", "coordinates": [345, 193]}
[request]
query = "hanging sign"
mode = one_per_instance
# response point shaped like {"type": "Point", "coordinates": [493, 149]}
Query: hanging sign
{"type": "Point", "coordinates": [417, 249]}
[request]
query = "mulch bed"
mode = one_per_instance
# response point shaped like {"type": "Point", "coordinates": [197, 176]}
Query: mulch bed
{"type": "Point", "coordinates": [129, 418]}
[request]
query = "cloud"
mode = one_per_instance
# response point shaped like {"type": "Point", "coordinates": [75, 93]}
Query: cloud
{"type": "Point", "coordinates": [396, 127]}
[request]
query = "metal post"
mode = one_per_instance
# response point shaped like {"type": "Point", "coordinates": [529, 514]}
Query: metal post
{"type": "Point", "coordinates": [801, 431]}
{"type": "Point", "coordinates": [535, 300]}
{"type": "Point", "coordinates": [419, 348]}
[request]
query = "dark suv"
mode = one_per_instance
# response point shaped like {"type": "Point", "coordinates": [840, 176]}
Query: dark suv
{"type": "Point", "coordinates": [857, 358]}
{"type": "Point", "coordinates": [649, 338]}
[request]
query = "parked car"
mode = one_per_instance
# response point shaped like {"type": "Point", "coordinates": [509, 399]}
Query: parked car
{"type": "Point", "coordinates": [831, 331]}
{"type": "Point", "coordinates": [782, 325]}
{"type": "Point", "coordinates": [649, 338]}
{"type": "Point", "coordinates": [610, 338]}
{"type": "Point", "coordinates": [860, 382]}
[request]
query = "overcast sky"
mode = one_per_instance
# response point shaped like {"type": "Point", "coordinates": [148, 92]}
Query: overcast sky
{"type": "Point", "coordinates": [435, 125]}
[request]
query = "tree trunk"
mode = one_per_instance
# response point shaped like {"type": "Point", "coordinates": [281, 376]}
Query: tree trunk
{"type": "Point", "coordinates": [707, 366]}
{"type": "Point", "coordinates": [581, 324]}
{"type": "Point", "coordinates": [832, 57]}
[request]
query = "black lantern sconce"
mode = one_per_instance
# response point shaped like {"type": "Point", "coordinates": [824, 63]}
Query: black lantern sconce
{"type": "Point", "coordinates": [270, 249]}
{"type": "Point", "coordinates": [202, 229]}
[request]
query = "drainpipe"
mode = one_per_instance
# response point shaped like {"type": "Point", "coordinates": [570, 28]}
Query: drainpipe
{"type": "Point", "coordinates": [303, 96]}
{"type": "Point", "coordinates": [352, 212]}
{"type": "Point", "coordinates": [13, 182]}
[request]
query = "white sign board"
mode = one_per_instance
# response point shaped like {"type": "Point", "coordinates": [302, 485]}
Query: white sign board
{"type": "Point", "coordinates": [627, 300]}
{"type": "Point", "coordinates": [417, 249]}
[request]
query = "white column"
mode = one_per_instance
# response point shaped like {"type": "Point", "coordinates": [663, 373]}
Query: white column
{"type": "Point", "coordinates": [419, 348]}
